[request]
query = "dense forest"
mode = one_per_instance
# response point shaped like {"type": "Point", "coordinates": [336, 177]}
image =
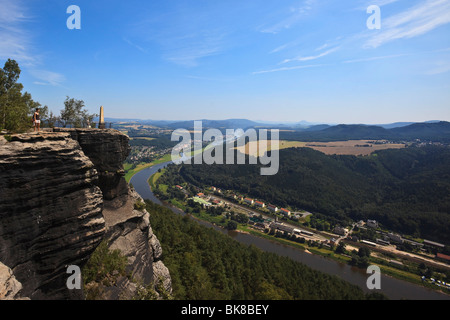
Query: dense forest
{"type": "Point", "coordinates": [406, 190]}
{"type": "Point", "coordinates": [206, 265]}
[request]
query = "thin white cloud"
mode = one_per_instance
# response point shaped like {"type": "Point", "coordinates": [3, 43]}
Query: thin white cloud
{"type": "Point", "coordinates": [135, 45]}
{"type": "Point", "coordinates": [417, 20]}
{"type": "Point", "coordinates": [14, 39]}
{"type": "Point", "coordinates": [47, 77]}
{"type": "Point", "coordinates": [294, 15]}
{"type": "Point", "coordinates": [16, 42]}
{"type": "Point", "coordinates": [309, 58]}
{"type": "Point", "coordinates": [190, 54]}
{"type": "Point", "coordinates": [440, 67]}
{"type": "Point", "coordinates": [376, 58]}
{"type": "Point", "coordinates": [289, 68]}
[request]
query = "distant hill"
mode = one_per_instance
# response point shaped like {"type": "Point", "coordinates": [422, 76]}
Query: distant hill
{"type": "Point", "coordinates": [401, 124]}
{"type": "Point", "coordinates": [308, 131]}
{"type": "Point", "coordinates": [427, 131]}
{"type": "Point", "coordinates": [434, 131]}
{"type": "Point", "coordinates": [224, 124]}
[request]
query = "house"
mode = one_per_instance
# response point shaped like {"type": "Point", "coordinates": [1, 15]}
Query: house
{"type": "Point", "coordinates": [272, 208]}
{"type": "Point", "coordinates": [340, 231]}
{"type": "Point", "coordinates": [395, 237]}
{"type": "Point", "coordinates": [443, 257]}
{"type": "Point", "coordinates": [201, 194]}
{"type": "Point", "coordinates": [432, 243]}
{"type": "Point", "coordinates": [249, 201]}
{"type": "Point", "coordinates": [372, 223]}
{"type": "Point", "coordinates": [179, 187]}
{"type": "Point", "coordinates": [286, 212]}
{"type": "Point", "coordinates": [259, 204]}
{"type": "Point", "coordinates": [281, 227]}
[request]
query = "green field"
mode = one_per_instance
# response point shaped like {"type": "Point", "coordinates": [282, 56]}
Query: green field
{"type": "Point", "coordinates": [130, 173]}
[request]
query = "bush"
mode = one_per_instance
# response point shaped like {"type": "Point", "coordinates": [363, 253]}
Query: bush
{"type": "Point", "coordinates": [139, 205]}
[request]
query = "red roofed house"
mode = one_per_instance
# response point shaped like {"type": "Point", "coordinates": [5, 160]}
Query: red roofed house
{"type": "Point", "coordinates": [248, 200]}
{"type": "Point", "coordinates": [260, 204]}
{"type": "Point", "coordinates": [443, 257]}
{"type": "Point", "coordinates": [285, 211]}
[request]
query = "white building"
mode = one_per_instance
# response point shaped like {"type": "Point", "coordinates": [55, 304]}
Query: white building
{"type": "Point", "coordinates": [249, 201]}
{"type": "Point", "coordinates": [372, 223]}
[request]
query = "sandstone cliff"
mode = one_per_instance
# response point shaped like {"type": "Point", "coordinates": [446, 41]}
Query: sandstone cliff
{"type": "Point", "coordinates": [61, 194]}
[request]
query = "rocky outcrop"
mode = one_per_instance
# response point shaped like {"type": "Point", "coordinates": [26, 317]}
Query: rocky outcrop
{"type": "Point", "coordinates": [9, 286]}
{"type": "Point", "coordinates": [50, 212]}
{"type": "Point", "coordinates": [129, 230]}
{"type": "Point", "coordinates": [61, 194]}
{"type": "Point", "coordinates": [107, 149]}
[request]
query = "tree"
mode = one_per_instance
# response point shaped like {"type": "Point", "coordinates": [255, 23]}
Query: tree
{"type": "Point", "coordinates": [16, 107]}
{"type": "Point", "coordinates": [232, 225]}
{"type": "Point", "coordinates": [73, 114]}
{"type": "Point", "coordinates": [341, 248]}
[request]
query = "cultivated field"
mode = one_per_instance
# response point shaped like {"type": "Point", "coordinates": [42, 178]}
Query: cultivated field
{"type": "Point", "coordinates": [351, 147]}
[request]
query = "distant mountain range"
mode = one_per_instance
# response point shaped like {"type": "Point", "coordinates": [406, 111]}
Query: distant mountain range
{"type": "Point", "coordinates": [307, 131]}
{"type": "Point", "coordinates": [245, 123]}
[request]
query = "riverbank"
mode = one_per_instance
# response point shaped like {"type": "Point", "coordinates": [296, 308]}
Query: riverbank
{"type": "Point", "coordinates": [391, 286]}
{"type": "Point", "coordinates": [129, 173]}
{"type": "Point", "coordinates": [307, 245]}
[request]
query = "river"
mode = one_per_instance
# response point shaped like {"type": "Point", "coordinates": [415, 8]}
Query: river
{"type": "Point", "coordinates": [393, 288]}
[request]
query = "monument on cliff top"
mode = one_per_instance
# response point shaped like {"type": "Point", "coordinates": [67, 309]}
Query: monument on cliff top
{"type": "Point", "coordinates": [101, 121]}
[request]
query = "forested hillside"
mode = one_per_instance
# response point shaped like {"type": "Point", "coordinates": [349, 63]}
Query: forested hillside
{"type": "Point", "coordinates": [437, 131]}
{"type": "Point", "coordinates": [407, 190]}
{"type": "Point", "coordinates": [205, 265]}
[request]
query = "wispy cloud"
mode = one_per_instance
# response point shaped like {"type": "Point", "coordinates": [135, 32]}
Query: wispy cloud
{"type": "Point", "coordinates": [47, 77]}
{"type": "Point", "coordinates": [417, 20]}
{"type": "Point", "coordinates": [189, 54]}
{"type": "Point", "coordinates": [377, 58]}
{"type": "Point", "coordinates": [14, 39]}
{"type": "Point", "coordinates": [16, 42]}
{"type": "Point", "coordinates": [292, 17]}
{"type": "Point", "coordinates": [289, 68]}
{"type": "Point", "coordinates": [135, 45]}
{"type": "Point", "coordinates": [309, 58]}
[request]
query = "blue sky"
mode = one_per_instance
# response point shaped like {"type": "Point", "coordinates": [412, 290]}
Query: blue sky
{"type": "Point", "coordinates": [313, 60]}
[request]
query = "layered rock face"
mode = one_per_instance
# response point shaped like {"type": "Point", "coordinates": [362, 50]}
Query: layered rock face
{"type": "Point", "coordinates": [50, 212]}
{"type": "Point", "coordinates": [61, 194]}
{"type": "Point", "coordinates": [129, 231]}
{"type": "Point", "coordinates": [107, 149]}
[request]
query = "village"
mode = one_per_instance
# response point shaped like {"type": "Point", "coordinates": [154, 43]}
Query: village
{"type": "Point", "coordinates": [280, 222]}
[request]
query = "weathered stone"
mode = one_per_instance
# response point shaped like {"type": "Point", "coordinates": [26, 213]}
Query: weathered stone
{"type": "Point", "coordinates": [132, 235]}
{"type": "Point", "coordinates": [107, 149]}
{"type": "Point", "coordinates": [9, 286]}
{"type": "Point", "coordinates": [50, 212]}
{"type": "Point", "coordinates": [61, 194]}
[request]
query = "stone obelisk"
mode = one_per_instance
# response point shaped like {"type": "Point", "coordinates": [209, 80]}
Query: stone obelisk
{"type": "Point", "coordinates": [101, 121]}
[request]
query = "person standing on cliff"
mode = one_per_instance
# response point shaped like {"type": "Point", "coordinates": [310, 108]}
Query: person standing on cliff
{"type": "Point", "coordinates": [37, 120]}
